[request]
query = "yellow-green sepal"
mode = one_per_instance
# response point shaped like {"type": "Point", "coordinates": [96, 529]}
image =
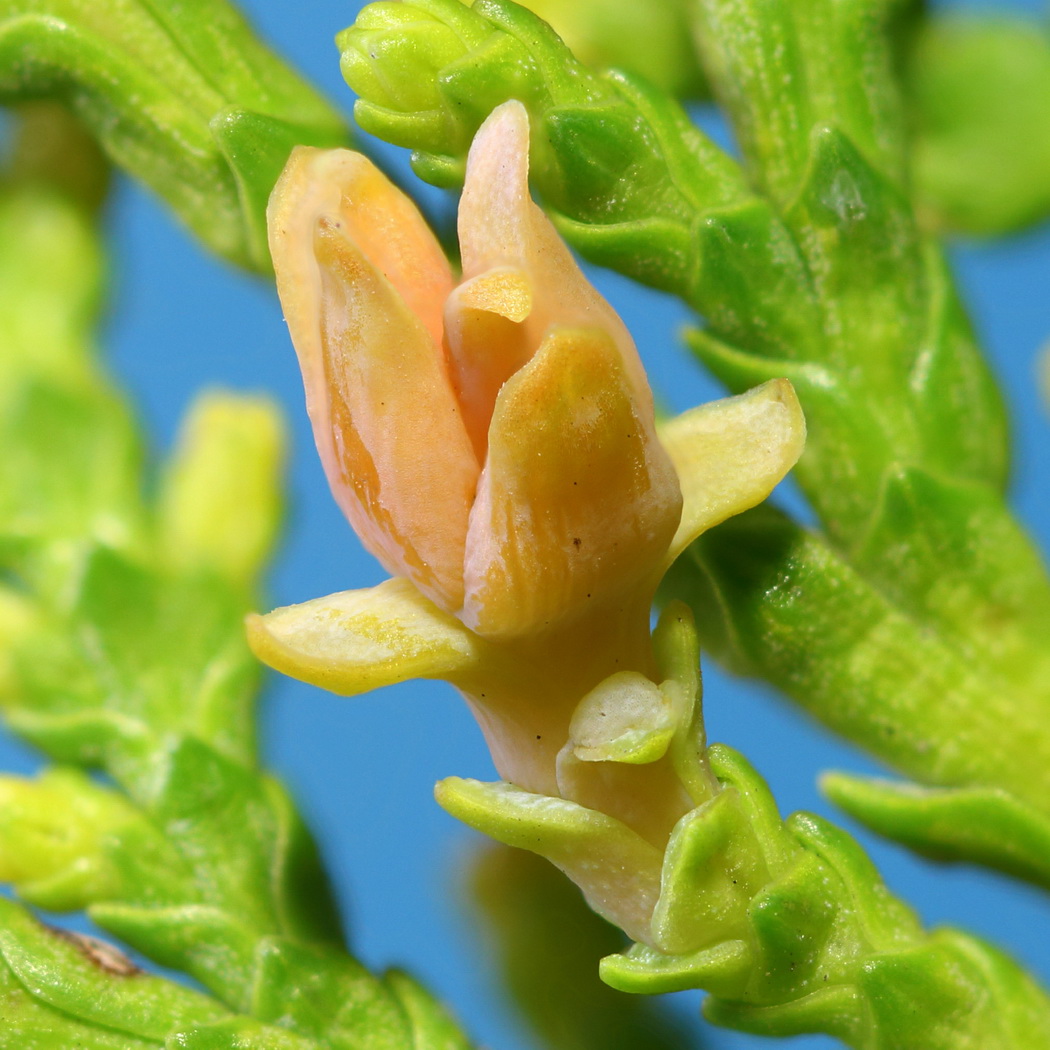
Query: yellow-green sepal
{"type": "Point", "coordinates": [354, 641]}
{"type": "Point", "coordinates": [730, 453]}
{"type": "Point", "coordinates": [616, 868]}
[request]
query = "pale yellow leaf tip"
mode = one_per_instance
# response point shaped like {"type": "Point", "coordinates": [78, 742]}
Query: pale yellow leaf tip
{"type": "Point", "coordinates": [730, 454]}
{"type": "Point", "coordinates": [355, 641]}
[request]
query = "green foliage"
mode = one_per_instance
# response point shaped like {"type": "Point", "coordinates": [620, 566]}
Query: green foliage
{"type": "Point", "coordinates": [787, 72]}
{"type": "Point", "coordinates": [58, 993]}
{"type": "Point", "coordinates": [805, 938]}
{"type": "Point", "coordinates": [805, 261]}
{"type": "Point", "coordinates": [122, 618]}
{"type": "Point", "coordinates": [65, 990]}
{"type": "Point", "coordinates": [650, 40]}
{"type": "Point", "coordinates": [184, 96]}
{"type": "Point", "coordinates": [915, 623]}
{"type": "Point", "coordinates": [885, 671]}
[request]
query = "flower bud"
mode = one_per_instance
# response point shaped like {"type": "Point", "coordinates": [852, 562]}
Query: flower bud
{"type": "Point", "coordinates": [492, 440]}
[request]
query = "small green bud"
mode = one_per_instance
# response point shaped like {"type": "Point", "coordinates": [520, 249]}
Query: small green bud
{"type": "Point", "coordinates": [429, 73]}
{"type": "Point", "coordinates": [392, 58]}
{"type": "Point", "coordinates": [53, 834]}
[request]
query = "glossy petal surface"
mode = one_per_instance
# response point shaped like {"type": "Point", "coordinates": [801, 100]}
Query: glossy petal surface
{"type": "Point", "coordinates": [500, 225]}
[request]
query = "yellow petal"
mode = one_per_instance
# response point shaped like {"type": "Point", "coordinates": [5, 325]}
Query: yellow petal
{"type": "Point", "coordinates": [385, 417]}
{"type": "Point", "coordinates": [500, 225]}
{"type": "Point", "coordinates": [729, 454]}
{"type": "Point", "coordinates": [577, 500]}
{"type": "Point", "coordinates": [355, 641]}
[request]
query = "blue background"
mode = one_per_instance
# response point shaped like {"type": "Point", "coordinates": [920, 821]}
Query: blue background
{"type": "Point", "coordinates": [363, 769]}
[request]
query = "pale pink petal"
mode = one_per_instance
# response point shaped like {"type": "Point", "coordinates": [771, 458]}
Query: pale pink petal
{"type": "Point", "coordinates": [578, 500]}
{"type": "Point", "coordinates": [385, 418]}
{"type": "Point", "coordinates": [382, 221]}
{"type": "Point", "coordinates": [500, 226]}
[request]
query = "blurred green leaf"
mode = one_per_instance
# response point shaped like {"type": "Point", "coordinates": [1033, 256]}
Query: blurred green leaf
{"type": "Point", "coordinates": [548, 944]}
{"type": "Point", "coordinates": [652, 40]}
{"type": "Point", "coordinates": [978, 93]}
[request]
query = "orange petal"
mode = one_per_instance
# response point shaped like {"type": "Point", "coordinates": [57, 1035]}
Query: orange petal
{"type": "Point", "coordinates": [487, 343]}
{"type": "Point", "coordinates": [385, 418]}
{"type": "Point", "coordinates": [347, 188]}
{"type": "Point", "coordinates": [500, 225]}
{"type": "Point", "coordinates": [577, 501]}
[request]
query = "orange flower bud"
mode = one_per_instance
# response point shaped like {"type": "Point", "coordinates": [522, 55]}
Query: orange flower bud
{"type": "Point", "coordinates": [493, 444]}
{"type": "Point", "coordinates": [492, 441]}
